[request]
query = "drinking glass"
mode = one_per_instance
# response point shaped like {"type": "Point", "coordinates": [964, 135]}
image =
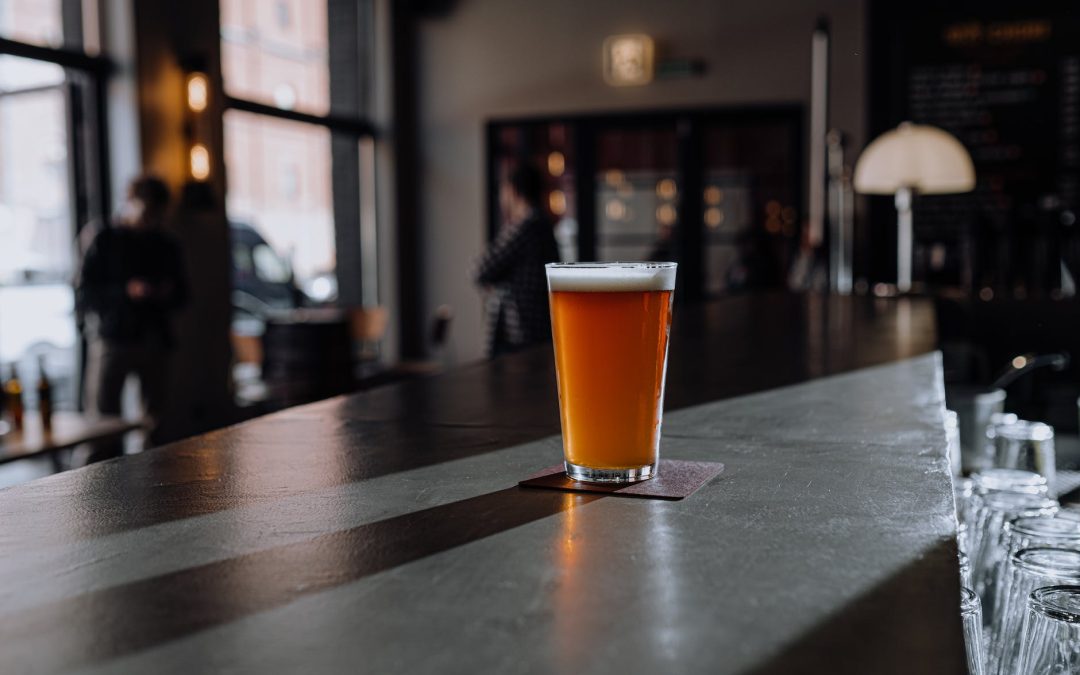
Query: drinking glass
{"type": "Point", "coordinates": [972, 618]}
{"type": "Point", "coordinates": [994, 511]}
{"type": "Point", "coordinates": [1029, 569]}
{"type": "Point", "coordinates": [997, 480]}
{"type": "Point", "coordinates": [1021, 533]}
{"type": "Point", "coordinates": [974, 406]}
{"type": "Point", "coordinates": [997, 420]}
{"type": "Point", "coordinates": [610, 322]}
{"type": "Point", "coordinates": [1050, 643]}
{"type": "Point", "coordinates": [1026, 445]}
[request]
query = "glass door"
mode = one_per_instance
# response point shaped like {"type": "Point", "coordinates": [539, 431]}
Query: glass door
{"type": "Point", "coordinates": [750, 203]}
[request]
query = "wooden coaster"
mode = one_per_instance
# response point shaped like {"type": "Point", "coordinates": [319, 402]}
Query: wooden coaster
{"type": "Point", "coordinates": [676, 479]}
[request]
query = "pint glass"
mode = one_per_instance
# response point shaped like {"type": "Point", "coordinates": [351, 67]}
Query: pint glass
{"type": "Point", "coordinates": [610, 323]}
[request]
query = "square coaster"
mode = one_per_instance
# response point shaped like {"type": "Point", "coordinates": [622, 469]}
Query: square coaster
{"type": "Point", "coordinates": [675, 479]}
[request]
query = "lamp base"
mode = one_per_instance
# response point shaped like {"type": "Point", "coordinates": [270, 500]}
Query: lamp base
{"type": "Point", "coordinates": [904, 239]}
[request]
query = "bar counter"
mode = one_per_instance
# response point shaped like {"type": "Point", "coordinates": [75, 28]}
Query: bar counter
{"type": "Point", "coordinates": [384, 532]}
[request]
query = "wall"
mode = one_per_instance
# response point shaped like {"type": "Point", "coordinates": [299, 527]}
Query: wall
{"type": "Point", "coordinates": [496, 58]}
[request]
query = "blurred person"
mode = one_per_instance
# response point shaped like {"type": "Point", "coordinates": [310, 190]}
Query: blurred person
{"type": "Point", "coordinates": [130, 282]}
{"type": "Point", "coordinates": [511, 271]}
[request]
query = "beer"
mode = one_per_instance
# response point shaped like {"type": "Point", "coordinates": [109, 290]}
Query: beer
{"type": "Point", "coordinates": [610, 323]}
{"type": "Point", "coordinates": [44, 396]}
{"type": "Point", "coordinates": [13, 393]}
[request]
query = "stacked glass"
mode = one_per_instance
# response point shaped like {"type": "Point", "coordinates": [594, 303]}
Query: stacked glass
{"type": "Point", "coordinates": [1029, 569]}
{"type": "Point", "coordinates": [1026, 445]}
{"type": "Point", "coordinates": [1050, 642]}
{"type": "Point", "coordinates": [994, 510]}
{"type": "Point", "coordinates": [971, 615]}
{"type": "Point", "coordinates": [1020, 534]}
{"type": "Point", "coordinates": [988, 482]}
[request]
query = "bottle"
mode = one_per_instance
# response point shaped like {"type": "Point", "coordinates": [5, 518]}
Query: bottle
{"type": "Point", "coordinates": [44, 395]}
{"type": "Point", "coordinates": [13, 393]}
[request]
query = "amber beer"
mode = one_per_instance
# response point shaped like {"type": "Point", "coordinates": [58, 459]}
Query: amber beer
{"type": "Point", "coordinates": [611, 322]}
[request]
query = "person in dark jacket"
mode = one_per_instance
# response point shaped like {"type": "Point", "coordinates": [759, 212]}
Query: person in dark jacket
{"type": "Point", "coordinates": [511, 271]}
{"type": "Point", "coordinates": [130, 283]}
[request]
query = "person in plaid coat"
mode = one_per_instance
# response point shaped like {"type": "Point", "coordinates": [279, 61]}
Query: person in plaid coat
{"type": "Point", "coordinates": [511, 271]}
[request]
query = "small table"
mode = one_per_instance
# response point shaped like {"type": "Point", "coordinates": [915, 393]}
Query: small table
{"type": "Point", "coordinates": [69, 429]}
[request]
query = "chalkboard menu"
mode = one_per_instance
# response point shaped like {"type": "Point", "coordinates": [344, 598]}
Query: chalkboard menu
{"type": "Point", "coordinates": [1004, 78]}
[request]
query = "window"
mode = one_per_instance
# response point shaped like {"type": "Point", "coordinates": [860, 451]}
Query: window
{"type": "Point", "coordinates": [67, 24]}
{"type": "Point", "coordinates": [276, 53]}
{"type": "Point", "coordinates": [52, 182]}
{"type": "Point", "coordinates": [269, 193]}
{"type": "Point", "coordinates": [292, 168]}
{"type": "Point", "coordinates": [37, 22]}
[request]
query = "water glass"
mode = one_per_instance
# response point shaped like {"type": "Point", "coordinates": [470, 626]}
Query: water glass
{"type": "Point", "coordinates": [998, 420]}
{"type": "Point", "coordinates": [986, 482]}
{"type": "Point", "coordinates": [971, 615]}
{"type": "Point", "coordinates": [974, 406]}
{"type": "Point", "coordinates": [1028, 569]}
{"type": "Point", "coordinates": [1021, 533]}
{"type": "Point", "coordinates": [1050, 643]}
{"type": "Point", "coordinates": [1028, 446]}
{"type": "Point", "coordinates": [994, 511]}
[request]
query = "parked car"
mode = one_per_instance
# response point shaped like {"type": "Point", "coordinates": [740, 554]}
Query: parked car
{"type": "Point", "coordinates": [262, 280]}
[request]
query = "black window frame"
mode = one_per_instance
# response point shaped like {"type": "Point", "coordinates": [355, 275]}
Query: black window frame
{"type": "Point", "coordinates": [88, 134]}
{"type": "Point", "coordinates": [350, 29]}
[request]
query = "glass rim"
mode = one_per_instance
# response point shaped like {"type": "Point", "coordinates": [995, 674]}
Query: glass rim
{"type": "Point", "coordinates": [1044, 568]}
{"type": "Point", "coordinates": [613, 265]}
{"type": "Point", "coordinates": [1020, 504]}
{"type": "Point", "coordinates": [1040, 603]}
{"type": "Point", "coordinates": [1024, 430]}
{"type": "Point", "coordinates": [1035, 525]}
{"type": "Point", "coordinates": [1007, 477]}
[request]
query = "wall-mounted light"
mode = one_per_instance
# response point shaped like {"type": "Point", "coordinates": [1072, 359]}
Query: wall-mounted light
{"type": "Point", "coordinates": [557, 202]}
{"type": "Point", "coordinates": [556, 162]}
{"type": "Point", "coordinates": [628, 60]}
{"type": "Point", "coordinates": [666, 215]}
{"type": "Point", "coordinates": [200, 162]}
{"type": "Point", "coordinates": [198, 92]}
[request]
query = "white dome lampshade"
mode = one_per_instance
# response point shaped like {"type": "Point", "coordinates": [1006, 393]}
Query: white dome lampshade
{"type": "Point", "coordinates": [920, 157]}
{"type": "Point", "coordinates": [912, 158]}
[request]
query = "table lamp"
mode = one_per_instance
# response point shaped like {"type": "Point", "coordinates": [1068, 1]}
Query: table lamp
{"type": "Point", "coordinates": [908, 159]}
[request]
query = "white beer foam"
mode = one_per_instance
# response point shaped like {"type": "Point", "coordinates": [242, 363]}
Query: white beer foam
{"type": "Point", "coordinates": [611, 278]}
